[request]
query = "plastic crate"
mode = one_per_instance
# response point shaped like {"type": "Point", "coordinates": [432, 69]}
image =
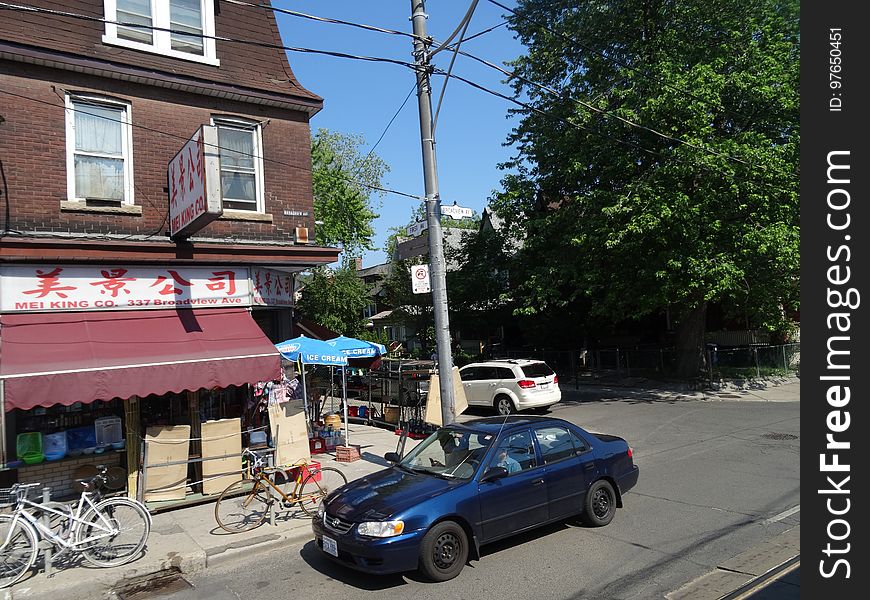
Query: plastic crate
{"type": "Point", "coordinates": [107, 431]}
{"type": "Point", "coordinates": [54, 445]}
{"type": "Point", "coordinates": [80, 439]}
{"type": "Point", "coordinates": [28, 447]}
{"type": "Point", "coordinates": [347, 453]}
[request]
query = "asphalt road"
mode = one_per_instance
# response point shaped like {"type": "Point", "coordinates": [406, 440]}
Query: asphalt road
{"type": "Point", "coordinates": [716, 478]}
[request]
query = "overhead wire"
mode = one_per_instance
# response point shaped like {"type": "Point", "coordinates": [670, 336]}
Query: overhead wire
{"type": "Point", "coordinates": [380, 59]}
{"type": "Point", "coordinates": [180, 137]}
{"type": "Point", "coordinates": [467, 22]}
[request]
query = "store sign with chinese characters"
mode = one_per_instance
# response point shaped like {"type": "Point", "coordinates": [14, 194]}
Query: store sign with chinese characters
{"type": "Point", "coordinates": [51, 288]}
{"type": "Point", "coordinates": [195, 184]}
{"type": "Point", "coordinates": [271, 288]}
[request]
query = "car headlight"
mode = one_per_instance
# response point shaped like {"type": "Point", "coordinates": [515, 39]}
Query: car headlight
{"type": "Point", "coordinates": [320, 510]}
{"type": "Point", "coordinates": [381, 529]}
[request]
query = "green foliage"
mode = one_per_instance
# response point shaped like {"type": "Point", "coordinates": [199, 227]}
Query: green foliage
{"type": "Point", "coordinates": [336, 299]}
{"type": "Point", "coordinates": [634, 222]}
{"type": "Point", "coordinates": [343, 205]}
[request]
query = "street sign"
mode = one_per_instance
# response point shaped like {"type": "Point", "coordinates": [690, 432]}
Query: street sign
{"type": "Point", "coordinates": [420, 279]}
{"type": "Point", "coordinates": [417, 228]}
{"type": "Point", "coordinates": [456, 212]}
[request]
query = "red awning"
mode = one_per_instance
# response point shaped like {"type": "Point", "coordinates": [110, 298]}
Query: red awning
{"type": "Point", "coordinates": [63, 358]}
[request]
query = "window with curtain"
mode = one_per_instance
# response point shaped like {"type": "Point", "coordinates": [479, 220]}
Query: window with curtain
{"type": "Point", "coordinates": [241, 164]}
{"type": "Point", "coordinates": [99, 150]}
{"type": "Point", "coordinates": [178, 28]}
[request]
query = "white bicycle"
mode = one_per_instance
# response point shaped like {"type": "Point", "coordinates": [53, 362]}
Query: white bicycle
{"type": "Point", "coordinates": [106, 532]}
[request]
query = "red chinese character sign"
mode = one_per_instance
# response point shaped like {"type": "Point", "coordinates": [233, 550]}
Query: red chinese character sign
{"type": "Point", "coordinates": [195, 184]}
{"type": "Point", "coordinates": [271, 288]}
{"type": "Point", "coordinates": [48, 288]}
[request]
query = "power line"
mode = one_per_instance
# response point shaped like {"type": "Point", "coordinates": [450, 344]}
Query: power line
{"type": "Point", "coordinates": [294, 13]}
{"type": "Point", "coordinates": [387, 128]}
{"type": "Point", "coordinates": [59, 13]}
{"type": "Point", "coordinates": [646, 74]}
{"type": "Point", "coordinates": [179, 137]}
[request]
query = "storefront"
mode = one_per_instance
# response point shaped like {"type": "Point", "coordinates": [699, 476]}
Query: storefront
{"type": "Point", "coordinates": [97, 378]}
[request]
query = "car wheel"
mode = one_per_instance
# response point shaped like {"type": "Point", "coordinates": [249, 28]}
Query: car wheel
{"type": "Point", "coordinates": [444, 551]}
{"type": "Point", "coordinates": [504, 405]}
{"type": "Point", "coordinates": [600, 504]}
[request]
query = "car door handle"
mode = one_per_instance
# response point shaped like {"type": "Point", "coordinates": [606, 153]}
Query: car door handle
{"type": "Point", "coordinates": [538, 482]}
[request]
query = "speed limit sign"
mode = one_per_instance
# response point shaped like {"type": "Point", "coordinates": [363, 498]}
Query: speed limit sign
{"type": "Point", "coordinates": [420, 279]}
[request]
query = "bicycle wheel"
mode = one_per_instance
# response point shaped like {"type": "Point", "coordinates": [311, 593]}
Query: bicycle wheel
{"type": "Point", "coordinates": [18, 549]}
{"type": "Point", "coordinates": [316, 486]}
{"type": "Point", "coordinates": [242, 506]}
{"type": "Point", "coordinates": [130, 523]}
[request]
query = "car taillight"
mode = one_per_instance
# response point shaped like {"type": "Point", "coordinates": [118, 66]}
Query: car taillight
{"type": "Point", "coordinates": [526, 383]}
{"type": "Point", "coordinates": [555, 379]}
{"type": "Point", "coordinates": [630, 452]}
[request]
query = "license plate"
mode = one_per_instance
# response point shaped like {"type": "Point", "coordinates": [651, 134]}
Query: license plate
{"type": "Point", "coordinates": [544, 385]}
{"type": "Point", "coordinates": [330, 546]}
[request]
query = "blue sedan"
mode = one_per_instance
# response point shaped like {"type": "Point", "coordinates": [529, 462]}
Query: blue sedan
{"type": "Point", "coordinates": [471, 484]}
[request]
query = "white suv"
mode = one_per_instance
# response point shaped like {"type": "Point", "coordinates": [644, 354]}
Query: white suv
{"type": "Point", "coordinates": [510, 385]}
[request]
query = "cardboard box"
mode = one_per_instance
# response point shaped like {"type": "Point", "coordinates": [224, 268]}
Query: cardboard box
{"type": "Point", "coordinates": [221, 439]}
{"type": "Point", "coordinates": [289, 433]}
{"type": "Point", "coordinates": [170, 444]}
{"type": "Point", "coordinates": [433, 400]}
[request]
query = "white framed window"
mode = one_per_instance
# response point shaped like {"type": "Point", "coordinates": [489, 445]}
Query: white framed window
{"type": "Point", "coordinates": [170, 27]}
{"type": "Point", "coordinates": [99, 150]}
{"type": "Point", "coordinates": [241, 153]}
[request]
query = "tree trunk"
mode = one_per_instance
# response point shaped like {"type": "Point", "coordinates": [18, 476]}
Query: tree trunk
{"type": "Point", "coordinates": [691, 358]}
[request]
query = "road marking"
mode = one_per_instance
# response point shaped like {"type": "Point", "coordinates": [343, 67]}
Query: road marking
{"type": "Point", "coordinates": [784, 514]}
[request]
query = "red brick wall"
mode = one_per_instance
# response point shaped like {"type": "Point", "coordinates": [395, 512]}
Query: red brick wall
{"type": "Point", "coordinates": [33, 155]}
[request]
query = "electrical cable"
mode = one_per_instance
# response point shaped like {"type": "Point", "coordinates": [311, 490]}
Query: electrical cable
{"type": "Point", "coordinates": [387, 128]}
{"type": "Point", "coordinates": [59, 13]}
{"type": "Point", "coordinates": [649, 76]}
{"type": "Point", "coordinates": [462, 26]}
{"type": "Point", "coordinates": [450, 68]}
{"type": "Point", "coordinates": [218, 147]}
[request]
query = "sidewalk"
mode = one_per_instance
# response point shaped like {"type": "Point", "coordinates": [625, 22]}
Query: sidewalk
{"type": "Point", "coordinates": [188, 540]}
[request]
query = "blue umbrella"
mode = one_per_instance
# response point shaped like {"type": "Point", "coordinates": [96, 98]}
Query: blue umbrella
{"type": "Point", "coordinates": [309, 351]}
{"type": "Point", "coordinates": [353, 348]}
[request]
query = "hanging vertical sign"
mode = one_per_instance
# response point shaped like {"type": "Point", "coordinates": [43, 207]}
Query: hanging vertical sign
{"type": "Point", "coordinates": [195, 184]}
{"type": "Point", "coordinates": [420, 279]}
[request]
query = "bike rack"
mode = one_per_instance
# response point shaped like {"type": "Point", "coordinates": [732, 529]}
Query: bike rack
{"type": "Point", "coordinates": [45, 545]}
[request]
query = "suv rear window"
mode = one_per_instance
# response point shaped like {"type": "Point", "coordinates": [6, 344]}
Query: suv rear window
{"type": "Point", "coordinates": [537, 370]}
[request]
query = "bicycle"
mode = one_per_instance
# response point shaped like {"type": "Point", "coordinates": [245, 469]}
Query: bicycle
{"type": "Point", "coordinates": [106, 532]}
{"type": "Point", "coordinates": [246, 503]}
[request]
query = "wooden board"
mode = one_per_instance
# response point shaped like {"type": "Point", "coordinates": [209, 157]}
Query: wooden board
{"type": "Point", "coordinates": [289, 433]}
{"type": "Point", "coordinates": [167, 444]}
{"type": "Point", "coordinates": [221, 438]}
{"type": "Point", "coordinates": [433, 399]}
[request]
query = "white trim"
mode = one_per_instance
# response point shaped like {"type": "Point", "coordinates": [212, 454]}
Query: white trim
{"type": "Point", "coordinates": [259, 175]}
{"type": "Point", "coordinates": [126, 142]}
{"type": "Point", "coordinates": [136, 366]}
{"type": "Point", "coordinates": [160, 17]}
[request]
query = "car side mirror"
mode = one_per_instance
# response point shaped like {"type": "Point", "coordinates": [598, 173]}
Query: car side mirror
{"type": "Point", "coordinates": [493, 473]}
{"type": "Point", "coordinates": [392, 457]}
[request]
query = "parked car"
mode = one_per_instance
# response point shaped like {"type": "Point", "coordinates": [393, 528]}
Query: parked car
{"type": "Point", "coordinates": [509, 386]}
{"type": "Point", "coordinates": [471, 484]}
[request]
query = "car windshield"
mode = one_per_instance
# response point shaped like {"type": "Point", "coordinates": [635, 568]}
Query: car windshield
{"type": "Point", "coordinates": [449, 453]}
{"type": "Point", "coordinates": [537, 370]}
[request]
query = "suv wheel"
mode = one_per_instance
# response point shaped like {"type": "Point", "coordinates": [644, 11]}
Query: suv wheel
{"type": "Point", "coordinates": [504, 405]}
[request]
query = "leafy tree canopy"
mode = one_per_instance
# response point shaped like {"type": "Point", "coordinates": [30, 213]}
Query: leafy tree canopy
{"type": "Point", "coordinates": [659, 168]}
{"type": "Point", "coordinates": [336, 299]}
{"type": "Point", "coordinates": [343, 198]}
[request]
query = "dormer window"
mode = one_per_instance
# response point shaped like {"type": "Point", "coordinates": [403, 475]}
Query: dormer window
{"type": "Point", "coordinates": [170, 27]}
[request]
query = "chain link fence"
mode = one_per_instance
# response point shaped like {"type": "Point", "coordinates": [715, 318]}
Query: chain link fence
{"type": "Point", "coordinates": [744, 362]}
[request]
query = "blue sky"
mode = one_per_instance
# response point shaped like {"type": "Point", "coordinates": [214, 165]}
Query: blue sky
{"type": "Point", "coordinates": [362, 97]}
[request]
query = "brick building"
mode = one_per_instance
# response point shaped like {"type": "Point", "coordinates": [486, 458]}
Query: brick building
{"type": "Point", "coordinates": [123, 293]}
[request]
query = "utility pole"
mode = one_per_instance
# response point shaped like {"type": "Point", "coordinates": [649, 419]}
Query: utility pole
{"type": "Point", "coordinates": [437, 265]}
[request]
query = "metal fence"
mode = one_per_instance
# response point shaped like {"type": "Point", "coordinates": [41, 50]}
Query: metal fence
{"type": "Point", "coordinates": [742, 362]}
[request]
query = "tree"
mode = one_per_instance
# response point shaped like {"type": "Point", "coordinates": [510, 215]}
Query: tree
{"type": "Point", "coordinates": [336, 299]}
{"type": "Point", "coordinates": [343, 182]}
{"type": "Point", "coordinates": [659, 167]}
